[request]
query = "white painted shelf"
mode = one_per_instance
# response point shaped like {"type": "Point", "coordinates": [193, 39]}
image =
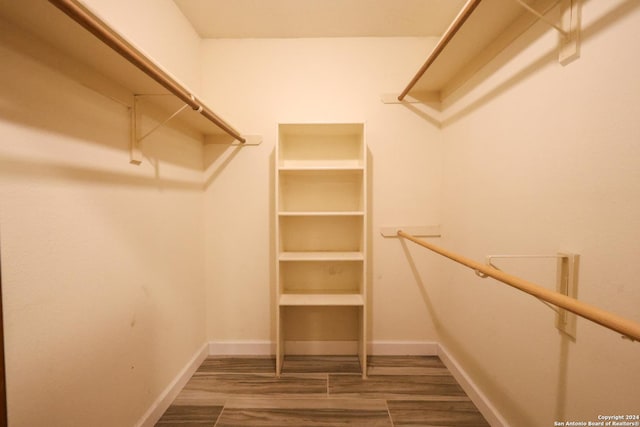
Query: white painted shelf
{"type": "Point", "coordinates": [482, 30]}
{"type": "Point", "coordinates": [314, 165]}
{"type": "Point", "coordinates": [321, 235]}
{"type": "Point", "coordinates": [321, 256]}
{"type": "Point", "coordinates": [319, 213]}
{"type": "Point", "coordinates": [336, 299]}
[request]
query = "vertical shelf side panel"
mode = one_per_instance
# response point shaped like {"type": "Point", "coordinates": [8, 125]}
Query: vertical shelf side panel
{"type": "Point", "coordinates": [364, 246]}
{"type": "Point", "coordinates": [278, 250]}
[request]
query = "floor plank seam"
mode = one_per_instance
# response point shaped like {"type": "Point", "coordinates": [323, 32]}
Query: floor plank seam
{"type": "Point", "coordinates": [386, 404]}
{"type": "Point", "coordinates": [220, 415]}
{"type": "Point", "coordinates": [328, 376]}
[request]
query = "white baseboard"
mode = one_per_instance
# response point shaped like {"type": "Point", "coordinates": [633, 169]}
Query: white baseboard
{"type": "Point", "coordinates": [478, 398]}
{"type": "Point", "coordinates": [154, 413]}
{"type": "Point", "coordinates": [242, 348]}
{"type": "Point", "coordinates": [380, 348]}
{"type": "Point", "coordinates": [403, 348]}
{"type": "Point", "coordinates": [337, 348]}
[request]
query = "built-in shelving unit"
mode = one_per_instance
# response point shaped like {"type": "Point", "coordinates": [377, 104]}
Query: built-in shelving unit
{"type": "Point", "coordinates": [108, 63]}
{"type": "Point", "coordinates": [321, 237]}
{"type": "Point", "coordinates": [481, 30]}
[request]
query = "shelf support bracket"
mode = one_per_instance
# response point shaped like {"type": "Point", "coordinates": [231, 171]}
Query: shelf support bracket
{"type": "Point", "coordinates": [569, 49]}
{"type": "Point", "coordinates": [542, 17]}
{"type": "Point", "coordinates": [135, 140]}
{"type": "Point", "coordinates": [566, 284]}
{"type": "Point", "coordinates": [570, 45]}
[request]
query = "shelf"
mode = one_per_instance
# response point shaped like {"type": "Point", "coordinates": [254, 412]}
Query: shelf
{"type": "Point", "coordinates": [321, 300]}
{"type": "Point", "coordinates": [321, 213]}
{"type": "Point", "coordinates": [321, 233]}
{"type": "Point", "coordinates": [321, 146]}
{"type": "Point", "coordinates": [312, 165]}
{"type": "Point", "coordinates": [321, 190]}
{"type": "Point", "coordinates": [320, 277]}
{"type": "Point", "coordinates": [481, 30]}
{"type": "Point", "coordinates": [321, 256]}
{"type": "Point", "coordinates": [97, 61]}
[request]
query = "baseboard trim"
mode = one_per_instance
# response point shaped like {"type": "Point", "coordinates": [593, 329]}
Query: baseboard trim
{"type": "Point", "coordinates": [241, 348]}
{"type": "Point", "coordinates": [154, 413]}
{"type": "Point", "coordinates": [403, 348]}
{"type": "Point", "coordinates": [337, 348]}
{"type": "Point", "coordinates": [378, 348]}
{"type": "Point", "coordinates": [478, 398]}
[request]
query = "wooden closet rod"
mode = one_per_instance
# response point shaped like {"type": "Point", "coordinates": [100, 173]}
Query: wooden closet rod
{"type": "Point", "coordinates": [612, 321]}
{"type": "Point", "coordinates": [457, 23]}
{"type": "Point", "coordinates": [102, 31]}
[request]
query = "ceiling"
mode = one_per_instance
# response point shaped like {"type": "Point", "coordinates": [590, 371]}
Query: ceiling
{"type": "Point", "coordinates": [319, 18]}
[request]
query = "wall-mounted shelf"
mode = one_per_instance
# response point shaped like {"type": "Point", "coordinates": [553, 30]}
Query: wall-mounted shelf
{"type": "Point", "coordinates": [102, 54]}
{"type": "Point", "coordinates": [480, 31]}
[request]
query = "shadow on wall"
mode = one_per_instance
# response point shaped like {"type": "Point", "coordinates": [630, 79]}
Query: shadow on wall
{"type": "Point", "coordinates": [47, 170]}
{"type": "Point", "coordinates": [54, 93]}
{"type": "Point", "coordinates": [473, 366]}
{"type": "Point", "coordinates": [493, 64]}
{"type": "Point", "coordinates": [49, 94]}
{"type": "Point", "coordinates": [217, 156]}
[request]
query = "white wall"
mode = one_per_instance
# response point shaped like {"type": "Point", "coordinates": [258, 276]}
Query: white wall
{"type": "Point", "coordinates": [160, 30]}
{"type": "Point", "coordinates": [257, 84]}
{"type": "Point", "coordinates": [102, 261]}
{"type": "Point", "coordinates": [541, 158]}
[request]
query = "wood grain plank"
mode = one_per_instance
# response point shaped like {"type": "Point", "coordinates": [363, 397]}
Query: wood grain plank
{"type": "Point", "coordinates": [182, 416]}
{"type": "Point", "coordinates": [326, 417]}
{"type": "Point", "coordinates": [394, 386]}
{"type": "Point", "coordinates": [435, 413]}
{"type": "Point", "coordinates": [237, 364]}
{"type": "Point", "coordinates": [216, 387]}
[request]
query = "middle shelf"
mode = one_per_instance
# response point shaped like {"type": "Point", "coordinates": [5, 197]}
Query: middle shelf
{"type": "Point", "coordinates": [321, 190]}
{"type": "Point", "coordinates": [321, 300]}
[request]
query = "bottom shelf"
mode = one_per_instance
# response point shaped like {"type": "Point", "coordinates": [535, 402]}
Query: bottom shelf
{"type": "Point", "coordinates": [321, 300]}
{"type": "Point", "coordinates": [321, 324]}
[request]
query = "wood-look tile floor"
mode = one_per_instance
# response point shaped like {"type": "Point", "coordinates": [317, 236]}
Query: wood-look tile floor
{"type": "Point", "coordinates": [322, 391]}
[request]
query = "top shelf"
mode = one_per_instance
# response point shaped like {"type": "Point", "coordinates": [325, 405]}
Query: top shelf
{"type": "Point", "coordinates": [100, 50]}
{"type": "Point", "coordinates": [321, 147]}
{"type": "Point", "coordinates": [476, 32]}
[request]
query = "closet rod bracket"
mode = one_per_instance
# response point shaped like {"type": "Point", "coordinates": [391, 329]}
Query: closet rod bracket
{"type": "Point", "coordinates": [569, 48]}
{"type": "Point", "coordinates": [543, 18]}
{"type": "Point", "coordinates": [570, 45]}
{"type": "Point", "coordinates": [135, 140]}
{"type": "Point", "coordinates": [566, 284]}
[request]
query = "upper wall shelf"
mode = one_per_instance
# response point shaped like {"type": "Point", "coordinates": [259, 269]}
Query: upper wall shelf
{"type": "Point", "coordinates": [480, 31]}
{"type": "Point", "coordinates": [102, 50]}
